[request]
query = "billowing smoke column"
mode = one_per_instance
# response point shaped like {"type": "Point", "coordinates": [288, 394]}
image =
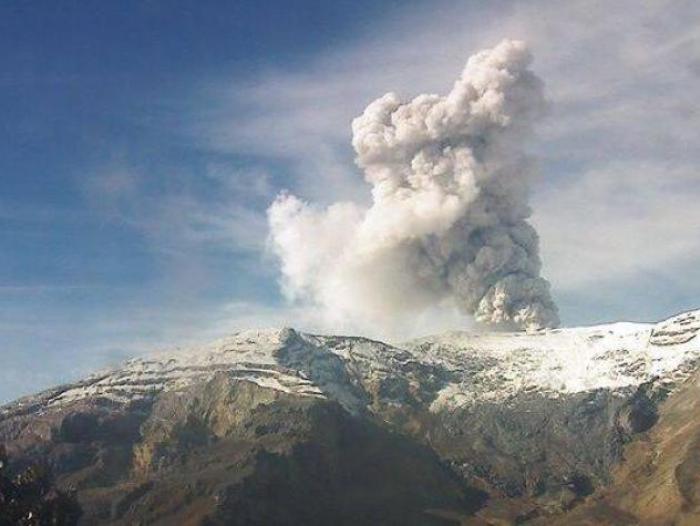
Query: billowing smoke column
{"type": "Point", "coordinates": [448, 219]}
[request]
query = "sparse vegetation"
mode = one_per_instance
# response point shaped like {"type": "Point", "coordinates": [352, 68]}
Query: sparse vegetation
{"type": "Point", "coordinates": [29, 498]}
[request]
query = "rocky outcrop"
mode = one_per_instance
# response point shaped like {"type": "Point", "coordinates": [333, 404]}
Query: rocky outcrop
{"type": "Point", "coordinates": [657, 481]}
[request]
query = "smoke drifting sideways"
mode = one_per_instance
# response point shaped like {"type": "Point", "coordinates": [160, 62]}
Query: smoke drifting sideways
{"type": "Point", "coordinates": [447, 226]}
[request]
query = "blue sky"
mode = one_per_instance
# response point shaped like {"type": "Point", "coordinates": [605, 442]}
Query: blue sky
{"type": "Point", "coordinates": [141, 143]}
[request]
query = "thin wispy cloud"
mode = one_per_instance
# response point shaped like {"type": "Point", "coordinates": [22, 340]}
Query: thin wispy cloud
{"type": "Point", "coordinates": [219, 208]}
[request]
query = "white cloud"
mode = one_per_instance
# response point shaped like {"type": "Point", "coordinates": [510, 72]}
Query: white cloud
{"type": "Point", "coordinates": [620, 221]}
{"type": "Point", "coordinates": [618, 148]}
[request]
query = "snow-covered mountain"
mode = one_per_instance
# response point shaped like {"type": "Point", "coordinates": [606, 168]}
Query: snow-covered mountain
{"type": "Point", "coordinates": [473, 366]}
{"type": "Point", "coordinates": [527, 422]}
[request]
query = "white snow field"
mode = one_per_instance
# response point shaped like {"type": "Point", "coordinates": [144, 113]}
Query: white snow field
{"type": "Point", "coordinates": [479, 366]}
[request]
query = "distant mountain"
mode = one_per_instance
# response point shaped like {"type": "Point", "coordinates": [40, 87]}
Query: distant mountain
{"type": "Point", "coordinates": [596, 425]}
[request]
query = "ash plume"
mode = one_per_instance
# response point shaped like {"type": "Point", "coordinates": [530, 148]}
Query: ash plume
{"type": "Point", "coordinates": [448, 222]}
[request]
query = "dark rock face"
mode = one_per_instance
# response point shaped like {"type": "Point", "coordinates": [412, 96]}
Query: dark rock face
{"type": "Point", "coordinates": [232, 452]}
{"type": "Point", "coordinates": [535, 445]}
{"type": "Point", "coordinates": [351, 472]}
{"type": "Point", "coordinates": [639, 413]}
{"type": "Point", "coordinates": [298, 429]}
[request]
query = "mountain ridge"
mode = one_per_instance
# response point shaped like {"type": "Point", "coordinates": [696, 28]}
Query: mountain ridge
{"type": "Point", "coordinates": [510, 427]}
{"type": "Point", "coordinates": [252, 354]}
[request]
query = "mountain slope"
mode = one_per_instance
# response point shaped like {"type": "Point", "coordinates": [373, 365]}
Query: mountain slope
{"type": "Point", "coordinates": [658, 483]}
{"type": "Point", "coordinates": [282, 427]}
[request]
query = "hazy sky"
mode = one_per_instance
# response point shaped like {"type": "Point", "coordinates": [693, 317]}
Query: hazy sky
{"type": "Point", "coordinates": [141, 143]}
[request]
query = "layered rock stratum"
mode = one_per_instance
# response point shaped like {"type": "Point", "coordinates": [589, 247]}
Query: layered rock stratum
{"type": "Point", "coordinates": [593, 425]}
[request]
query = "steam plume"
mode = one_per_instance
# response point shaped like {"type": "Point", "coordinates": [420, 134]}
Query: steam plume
{"type": "Point", "coordinates": [448, 219]}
